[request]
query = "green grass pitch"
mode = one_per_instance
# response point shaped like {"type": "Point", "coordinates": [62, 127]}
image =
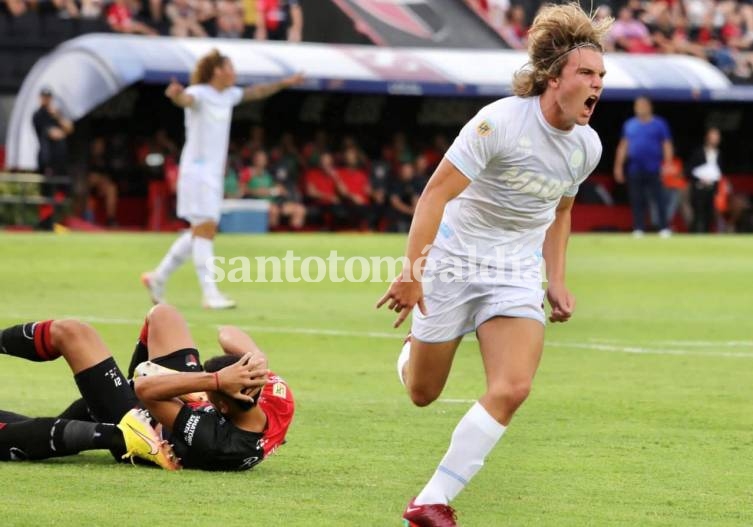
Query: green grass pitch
{"type": "Point", "coordinates": [641, 413]}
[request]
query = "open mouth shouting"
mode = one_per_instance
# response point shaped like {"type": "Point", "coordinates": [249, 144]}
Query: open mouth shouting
{"type": "Point", "coordinates": [590, 104]}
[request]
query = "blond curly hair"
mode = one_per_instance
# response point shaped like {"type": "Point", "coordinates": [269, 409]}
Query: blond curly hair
{"type": "Point", "coordinates": [557, 30]}
{"type": "Point", "coordinates": [204, 70]}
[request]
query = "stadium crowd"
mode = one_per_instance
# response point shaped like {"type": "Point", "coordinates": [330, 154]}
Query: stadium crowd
{"type": "Point", "coordinates": [321, 182]}
{"type": "Point", "coordinates": [718, 30]}
{"type": "Point", "coordinates": [328, 182]}
{"type": "Point", "coordinates": [260, 19]}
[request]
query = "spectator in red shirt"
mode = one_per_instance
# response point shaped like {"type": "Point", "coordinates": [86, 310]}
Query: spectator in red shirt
{"type": "Point", "coordinates": [354, 189]}
{"type": "Point", "coordinates": [121, 20]}
{"type": "Point", "coordinates": [279, 20]}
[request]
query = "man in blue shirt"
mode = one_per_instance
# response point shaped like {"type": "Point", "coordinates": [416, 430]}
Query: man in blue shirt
{"type": "Point", "coordinates": [646, 144]}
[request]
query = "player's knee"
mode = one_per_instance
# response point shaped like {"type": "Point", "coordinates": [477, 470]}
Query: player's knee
{"type": "Point", "coordinates": [510, 395]}
{"type": "Point", "coordinates": [66, 332]}
{"type": "Point", "coordinates": [422, 395]}
{"type": "Point", "coordinates": [161, 312]}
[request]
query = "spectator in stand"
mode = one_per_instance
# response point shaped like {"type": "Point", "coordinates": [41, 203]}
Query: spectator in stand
{"type": "Point", "coordinates": [423, 173]}
{"type": "Point", "coordinates": [183, 19]}
{"type": "Point", "coordinates": [497, 11]}
{"type": "Point", "coordinates": [257, 182]}
{"type": "Point", "coordinates": [287, 158]}
{"type": "Point", "coordinates": [403, 196]}
{"type": "Point", "coordinates": [670, 34]}
{"type": "Point", "coordinates": [313, 150]}
{"type": "Point", "coordinates": [380, 177]}
{"type": "Point", "coordinates": [320, 185]}
{"type": "Point", "coordinates": [353, 187]}
{"type": "Point", "coordinates": [66, 8]}
{"type": "Point", "coordinates": [645, 146]}
{"type": "Point", "coordinates": [399, 151]}
{"type": "Point", "coordinates": [229, 19]}
{"type": "Point", "coordinates": [121, 19]}
{"type": "Point", "coordinates": [434, 153]}
{"type": "Point", "coordinates": [100, 182]}
{"type": "Point", "coordinates": [250, 18]}
{"type": "Point", "coordinates": [514, 30]}
{"type": "Point", "coordinates": [206, 15]}
{"type": "Point", "coordinates": [16, 8]}
{"type": "Point", "coordinates": [92, 9]}
{"type": "Point", "coordinates": [279, 20]}
{"type": "Point", "coordinates": [704, 174]}
{"type": "Point", "coordinates": [629, 34]}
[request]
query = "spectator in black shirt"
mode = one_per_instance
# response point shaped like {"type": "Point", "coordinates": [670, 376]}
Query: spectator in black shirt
{"type": "Point", "coordinates": [403, 195]}
{"type": "Point", "coordinates": [51, 128]}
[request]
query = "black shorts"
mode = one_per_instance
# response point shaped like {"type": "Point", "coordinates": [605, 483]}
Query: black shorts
{"type": "Point", "coordinates": [110, 396]}
{"type": "Point", "coordinates": [186, 360]}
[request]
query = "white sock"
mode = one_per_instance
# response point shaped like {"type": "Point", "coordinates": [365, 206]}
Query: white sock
{"type": "Point", "coordinates": [175, 257]}
{"type": "Point", "coordinates": [203, 250]}
{"type": "Point", "coordinates": [473, 439]}
{"type": "Point", "coordinates": [402, 360]}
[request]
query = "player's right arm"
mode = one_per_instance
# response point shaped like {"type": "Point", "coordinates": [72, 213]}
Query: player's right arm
{"type": "Point", "coordinates": [406, 291]}
{"type": "Point", "coordinates": [177, 94]}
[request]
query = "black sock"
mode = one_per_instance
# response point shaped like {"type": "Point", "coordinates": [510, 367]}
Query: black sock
{"type": "Point", "coordinates": [30, 341]}
{"type": "Point", "coordinates": [47, 437]}
{"type": "Point", "coordinates": [78, 410]}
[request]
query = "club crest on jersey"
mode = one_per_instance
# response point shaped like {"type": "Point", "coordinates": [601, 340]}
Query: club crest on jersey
{"type": "Point", "coordinates": [279, 390]}
{"type": "Point", "coordinates": [484, 128]}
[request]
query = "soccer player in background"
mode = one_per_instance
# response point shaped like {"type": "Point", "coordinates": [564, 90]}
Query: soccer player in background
{"type": "Point", "coordinates": [245, 419]}
{"type": "Point", "coordinates": [498, 203]}
{"type": "Point", "coordinates": [208, 104]}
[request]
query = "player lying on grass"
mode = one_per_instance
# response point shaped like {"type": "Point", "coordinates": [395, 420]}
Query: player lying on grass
{"type": "Point", "coordinates": [244, 420]}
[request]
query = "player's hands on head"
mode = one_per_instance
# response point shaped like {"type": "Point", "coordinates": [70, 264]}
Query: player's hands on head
{"type": "Point", "coordinates": [402, 296]}
{"type": "Point", "coordinates": [562, 302]}
{"type": "Point", "coordinates": [244, 377]}
{"type": "Point", "coordinates": [173, 89]}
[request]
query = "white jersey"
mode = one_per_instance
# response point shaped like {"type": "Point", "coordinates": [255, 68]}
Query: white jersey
{"type": "Point", "coordinates": [520, 167]}
{"type": "Point", "coordinates": [208, 130]}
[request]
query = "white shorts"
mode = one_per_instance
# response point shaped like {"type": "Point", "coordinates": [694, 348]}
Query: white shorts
{"type": "Point", "coordinates": [460, 307]}
{"type": "Point", "coordinates": [199, 198]}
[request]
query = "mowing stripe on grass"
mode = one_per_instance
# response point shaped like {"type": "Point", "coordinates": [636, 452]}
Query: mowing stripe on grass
{"type": "Point", "coordinates": [666, 347]}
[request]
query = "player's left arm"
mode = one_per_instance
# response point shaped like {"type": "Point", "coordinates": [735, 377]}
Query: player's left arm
{"type": "Point", "coordinates": [555, 250]}
{"type": "Point", "coordinates": [234, 341]}
{"type": "Point", "coordinates": [262, 91]}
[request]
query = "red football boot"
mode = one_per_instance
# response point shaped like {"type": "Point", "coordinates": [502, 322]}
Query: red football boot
{"type": "Point", "coordinates": [433, 515]}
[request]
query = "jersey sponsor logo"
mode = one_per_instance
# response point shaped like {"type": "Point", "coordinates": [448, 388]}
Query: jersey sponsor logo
{"type": "Point", "coordinates": [484, 128]}
{"type": "Point", "coordinates": [249, 462]}
{"type": "Point", "coordinates": [534, 184]}
{"type": "Point", "coordinates": [190, 429]}
{"type": "Point", "coordinates": [279, 390]}
{"type": "Point", "coordinates": [576, 159]}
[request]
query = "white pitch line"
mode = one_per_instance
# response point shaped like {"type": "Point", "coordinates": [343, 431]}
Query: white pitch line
{"type": "Point", "coordinates": [649, 351]}
{"type": "Point", "coordinates": [689, 343]}
{"type": "Point", "coordinates": [593, 345]}
{"type": "Point", "coordinates": [457, 401]}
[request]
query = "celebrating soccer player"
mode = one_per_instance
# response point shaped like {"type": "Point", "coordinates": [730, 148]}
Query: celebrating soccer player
{"type": "Point", "coordinates": [498, 203]}
{"type": "Point", "coordinates": [208, 104]}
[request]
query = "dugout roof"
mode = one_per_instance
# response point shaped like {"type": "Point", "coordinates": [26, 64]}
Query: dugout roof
{"type": "Point", "coordinates": [88, 70]}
